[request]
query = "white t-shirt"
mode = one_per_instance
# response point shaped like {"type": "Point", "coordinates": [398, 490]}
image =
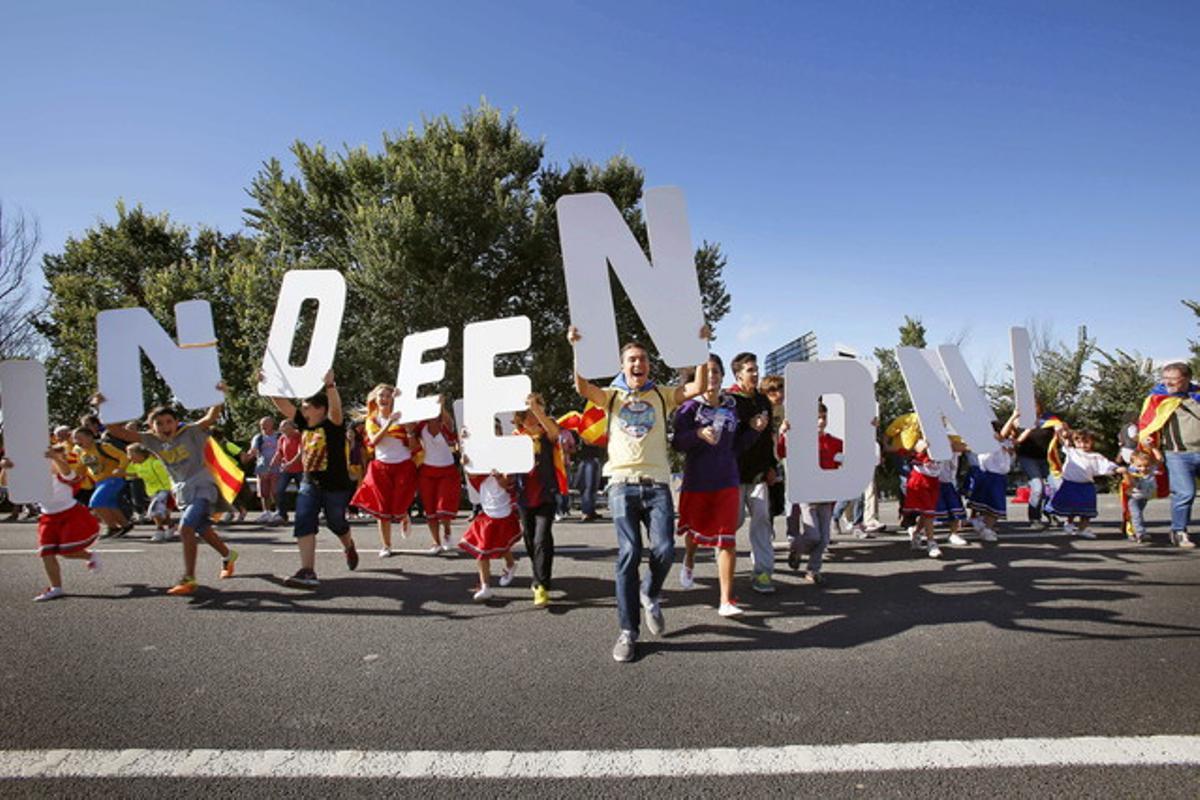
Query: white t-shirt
{"type": "Point", "coordinates": [62, 496]}
{"type": "Point", "coordinates": [389, 449]}
{"type": "Point", "coordinates": [437, 449]}
{"type": "Point", "coordinates": [948, 469]}
{"type": "Point", "coordinates": [496, 501]}
{"type": "Point", "coordinates": [1082, 467]}
{"type": "Point", "coordinates": [999, 462]}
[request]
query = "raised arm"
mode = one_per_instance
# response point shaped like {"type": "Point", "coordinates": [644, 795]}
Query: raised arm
{"type": "Point", "coordinates": [699, 382]}
{"type": "Point", "coordinates": [549, 425]}
{"type": "Point", "coordinates": [335, 399]}
{"type": "Point", "coordinates": [583, 386]}
{"type": "Point", "coordinates": [213, 414]}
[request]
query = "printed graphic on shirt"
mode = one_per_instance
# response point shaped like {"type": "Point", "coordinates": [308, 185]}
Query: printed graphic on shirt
{"type": "Point", "coordinates": [722, 418]}
{"type": "Point", "coordinates": [636, 418]}
{"type": "Point", "coordinates": [316, 451]}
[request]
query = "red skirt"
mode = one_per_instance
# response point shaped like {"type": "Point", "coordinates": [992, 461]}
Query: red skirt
{"type": "Point", "coordinates": [491, 538]}
{"type": "Point", "coordinates": [710, 519]}
{"type": "Point", "coordinates": [441, 488]}
{"type": "Point", "coordinates": [387, 491]}
{"type": "Point", "coordinates": [921, 494]}
{"type": "Point", "coordinates": [70, 531]}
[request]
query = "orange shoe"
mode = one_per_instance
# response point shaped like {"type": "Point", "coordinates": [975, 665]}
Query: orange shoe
{"type": "Point", "coordinates": [227, 564]}
{"type": "Point", "coordinates": [186, 585]}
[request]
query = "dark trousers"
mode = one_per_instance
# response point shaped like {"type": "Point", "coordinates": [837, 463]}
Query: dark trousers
{"type": "Point", "coordinates": [537, 527]}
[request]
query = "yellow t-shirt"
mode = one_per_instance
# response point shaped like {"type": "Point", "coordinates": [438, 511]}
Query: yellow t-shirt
{"type": "Point", "coordinates": [637, 433]}
{"type": "Point", "coordinates": [102, 461]}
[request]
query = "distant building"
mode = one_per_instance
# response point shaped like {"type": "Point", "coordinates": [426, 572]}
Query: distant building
{"type": "Point", "coordinates": [802, 348]}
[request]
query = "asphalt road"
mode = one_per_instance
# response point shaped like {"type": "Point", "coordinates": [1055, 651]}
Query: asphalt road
{"type": "Point", "coordinates": [1037, 637]}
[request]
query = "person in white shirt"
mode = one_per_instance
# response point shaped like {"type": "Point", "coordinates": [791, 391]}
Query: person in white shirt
{"type": "Point", "coordinates": [987, 498]}
{"type": "Point", "coordinates": [1075, 498]}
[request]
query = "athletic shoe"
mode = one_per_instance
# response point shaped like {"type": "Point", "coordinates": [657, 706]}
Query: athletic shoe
{"type": "Point", "coordinates": [49, 593]}
{"type": "Point", "coordinates": [957, 540]}
{"type": "Point", "coordinates": [729, 610]}
{"type": "Point", "coordinates": [93, 562]}
{"type": "Point", "coordinates": [915, 542]}
{"type": "Point", "coordinates": [655, 622]}
{"type": "Point", "coordinates": [762, 584]}
{"type": "Point", "coordinates": [876, 527]}
{"type": "Point", "coordinates": [264, 518]}
{"type": "Point", "coordinates": [444, 547]}
{"type": "Point", "coordinates": [862, 533]}
{"type": "Point", "coordinates": [351, 557]}
{"type": "Point", "coordinates": [541, 596]}
{"type": "Point", "coordinates": [794, 559]}
{"type": "Point", "coordinates": [186, 585]}
{"type": "Point", "coordinates": [482, 595]}
{"type": "Point", "coordinates": [815, 578]}
{"type": "Point", "coordinates": [1069, 528]}
{"type": "Point", "coordinates": [449, 544]}
{"type": "Point", "coordinates": [590, 517]}
{"type": "Point", "coordinates": [507, 576]}
{"type": "Point", "coordinates": [159, 536]}
{"type": "Point", "coordinates": [935, 551]}
{"type": "Point", "coordinates": [977, 524]}
{"type": "Point", "coordinates": [227, 564]}
{"type": "Point", "coordinates": [1083, 533]}
{"type": "Point", "coordinates": [275, 518]}
{"type": "Point", "coordinates": [1181, 539]}
{"type": "Point", "coordinates": [686, 581]}
{"type": "Point", "coordinates": [625, 650]}
{"type": "Point", "coordinates": [435, 550]}
{"type": "Point", "coordinates": [385, 552]}
{"type": "Point", "coordinates": [988, 535]}
{"type": "Point", "coordinates": [304, 579]}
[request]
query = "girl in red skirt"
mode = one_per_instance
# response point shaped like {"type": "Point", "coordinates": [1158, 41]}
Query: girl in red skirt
{"type": "Point", "coordinates": [921, 494]}
{"type": "Point", "coordinates": [388, 488]}
{"type": "Point", "coordinates": [438, 478]}
{"type": "Point", "coordinates": [65, 528]}
{"type": "Point", "coordinates": [493, 532]}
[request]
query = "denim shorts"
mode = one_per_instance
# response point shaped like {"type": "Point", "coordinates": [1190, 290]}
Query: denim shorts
{"type": "Point", "coordinates": [197, 516]}
{"type": "Point", "coordinates": [311, 501]}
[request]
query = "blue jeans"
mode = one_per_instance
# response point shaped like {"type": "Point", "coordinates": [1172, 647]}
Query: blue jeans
{"type": "Point", "coordinates": [197, 516]}
{"type": "Point", "coordinates": [839, 508]}
{"type": "Point", "coordinates": [311, 501]}
{"type": "Point", "coordinates": [1182, 469]}
{"type": "Point", "coordinates": [1037, 470]}
{"type": "Point", "coordinates": [634, 505]}
{"type": "Point", "coordinates": [588, 477]}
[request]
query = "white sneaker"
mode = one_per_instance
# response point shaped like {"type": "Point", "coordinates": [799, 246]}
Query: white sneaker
{"type": "Point", "coordinates": [385, 552]}
{"type": "Point", "coordinates": [916, 542]}
{"type": "Point", "coordinates": [912, 530]}
{"type": "Point", "coordinates": [49, 593]}
{"type": "Point", "coordinates": [1083, 533]}
{"type": "Point", "coordinates": [435, 550]}
{"type": "Point", "coordinates": [977, 524]}
{"type": "Point", "coordinates": [957, 540]}
{"type": "Point", "coordinates": [445, 547]}
{"type": "Point", "coordinates": [988, 535]}
{"type": "Point", "coordinates": [1068, 528]}
{"type": "Point", "coordinates": [934, 550]}
{"type": "Point", "coordinates": [686, 581]}
{"type": "Point", "coordinates": [263, 518]}
{"type": "Point", "coordinates": [507, 576]}
{"type": "Point", "coordinates": [276, 518]}
{"type": "Point", "coordinates": [159, 536]}
{"type": "Point", "coordinates": [729, 610]}
{"type": "Point", "coordinates": [93, 563]}
{"type": "Point", "coordinates": [482, 595]}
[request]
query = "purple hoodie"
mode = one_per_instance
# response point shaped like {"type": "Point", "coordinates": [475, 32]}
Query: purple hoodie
{"type": "Point", "coordinates": [708, 467]}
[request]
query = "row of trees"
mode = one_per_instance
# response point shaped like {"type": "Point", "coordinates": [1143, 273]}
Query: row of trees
{"type": "Point", "coordinates": [445, 226]}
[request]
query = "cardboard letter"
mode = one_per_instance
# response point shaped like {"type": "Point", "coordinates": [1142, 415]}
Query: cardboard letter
{"type": "Point", "coordinates": [280, 377]}
{"type": "Point", "coordinates": [953, 404]}
{"type": "Point", "coordinates": [26, 430]}
{"type": "Point", "coordinates": [665, 295]}
{"type": "Point", "coordinates": [1022, 365]}
{"type": "Point", "coordinates": [485, 396]}
{"type": "Point", "coordinates": [190, 368]}
{"type": "Point", "coordinates": [414, 373]}
{"type": "Point", "coordinates": [807, 382]}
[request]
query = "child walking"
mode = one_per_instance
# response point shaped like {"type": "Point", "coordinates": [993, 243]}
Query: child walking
{"type": "Point", "coordinates": [65, 528]}
{"type": "Point", "coordinates": [493, 532]}
{"type": "Point", "coordinates": [987, 498]}
{"type": "Point", "coordinates": [105, 464]}
{"type": "Point", "coordinates": [438, 479]}
{"type": "Point", "coordinates": [288, 461]}
{"type": "Point", "coordinates": [390, 483]}
{"type": "Point", "coordinates": [814, 521]}
{"type": "Point", "coordinates": [147, 466]}
{"type": "Point", "coordinates": [707, 431]}
{"type": "Point", "coordinates": [1075, 498]}
{"type": "Point", "coordinates": [538, 493]}
{"type": "Point", "coordinates": [922, 495]}
{"type": "Point", "coordinates": [182, 450]}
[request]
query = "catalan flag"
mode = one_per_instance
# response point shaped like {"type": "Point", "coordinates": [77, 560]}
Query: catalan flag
{"type": "Point", "coordinates": [1158, 407]}
{"type": "Point", "coordinates": [225, 471]}
{"type": "Point", "coordinates": [591, 424]}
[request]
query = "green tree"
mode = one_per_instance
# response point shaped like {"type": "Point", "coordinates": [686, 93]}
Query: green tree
{"type": "Point", "coordinates": [891, 393]}
{"type": "Point", "coordinates": [1114, 395]}
{"type": "Point", "coordinates": [1194, 344]}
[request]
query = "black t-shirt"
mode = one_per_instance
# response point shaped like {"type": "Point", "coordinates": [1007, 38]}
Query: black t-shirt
{"type": "Point", "coordinates": [323, 450]}
{"type": "Point", "coordinates": [759, 457]}
{"type": "Point", "coordinates": [1037, 443]}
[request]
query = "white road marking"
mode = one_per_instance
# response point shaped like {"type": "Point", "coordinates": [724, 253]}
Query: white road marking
{"type": "Point", "coordinates": [1082, 751]}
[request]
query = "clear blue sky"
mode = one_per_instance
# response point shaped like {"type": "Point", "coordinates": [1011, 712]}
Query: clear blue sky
{"type": "Point", "coordinates": [1020, 160]}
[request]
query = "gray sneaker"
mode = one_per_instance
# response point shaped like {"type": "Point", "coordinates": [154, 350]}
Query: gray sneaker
{"type": "Point", "coordinates": [626, 648]}
{"type": "Point", "coordinates": [1181, 539]}
{"type": "Point", "coordinates": [655, 623]}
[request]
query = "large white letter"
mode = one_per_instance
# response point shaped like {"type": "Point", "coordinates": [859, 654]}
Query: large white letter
{"type": "Point", "coordinates": [806, 382]}
{"type": "Point", "coordinates": [485, 396]}
{"type": "Point", "coordinates": [966, 409]}
{"type": "Point", "coordinates": [280, 377]}
{"type": "Point", "coordinates": [191, 368]}
{"type": "Point", "coordinates": [414, 373]}
{"type": "Point", "coordinates": [1022, 365]}
{"type": "Point", "coordinates": [665, 295]}
{"type": "Point", "coordinates": [26, 430]}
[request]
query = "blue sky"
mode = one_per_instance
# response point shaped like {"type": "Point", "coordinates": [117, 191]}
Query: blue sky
{"type": "Point", "coordinates": [977, 165]}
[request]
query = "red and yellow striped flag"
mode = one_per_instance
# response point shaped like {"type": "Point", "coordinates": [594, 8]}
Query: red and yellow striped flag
{"type": "Point", "coordinates": [591, 424]}
{"type": "Point", "coordinates": [224, 469]}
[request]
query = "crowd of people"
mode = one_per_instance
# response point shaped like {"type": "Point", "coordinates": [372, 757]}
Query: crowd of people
{"type": "Point", "coordinates": [729, 435]}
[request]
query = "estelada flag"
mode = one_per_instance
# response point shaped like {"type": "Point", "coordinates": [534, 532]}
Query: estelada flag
{"type": "Point", "coordinates": [1158, 407]}
{"type": "Point", "coordinates": [224, 469]}
{"type": "Point", "coordinates": [591, 424]}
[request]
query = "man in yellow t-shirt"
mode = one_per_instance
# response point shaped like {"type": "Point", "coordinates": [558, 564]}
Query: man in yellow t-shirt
{"type": "Point", "coordinates": [639, 493]}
